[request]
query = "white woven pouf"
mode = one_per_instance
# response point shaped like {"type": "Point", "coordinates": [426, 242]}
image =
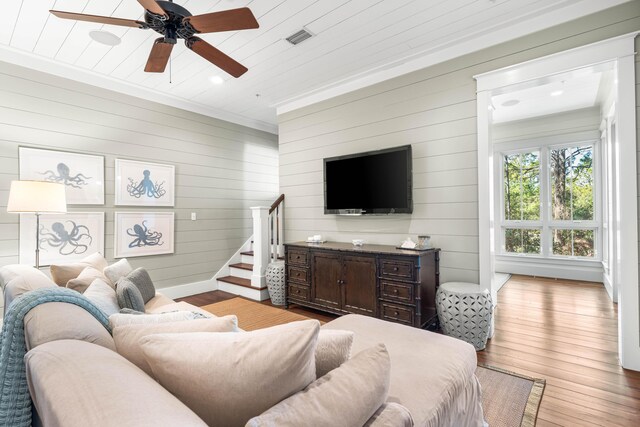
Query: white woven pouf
{"type": "Point", "coordinates": [464, 311]}
{"type": "Point", "coordinates": [275, 282]}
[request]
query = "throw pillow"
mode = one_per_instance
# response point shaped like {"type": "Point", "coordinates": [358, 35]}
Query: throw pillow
{"type": "Point", "coordinates": [141, 279]}
{"type": "Point", "coordinates": [334, 348]}
{"type": "Point", "coordinates": [117, 270]}
{"type": "Point", "coordinates": [62, 273]}
{"type": "Point", "coordinates": [86, 277]}
{"type": "Point", "coordinates": [127, 337]}
{"type": "Point", "coordinates": [129, 295]}
{"type": "Point", "coordinates": [103, 296]}
{"type": "Point", "coordinates": [120, 319]}
{"type": "Point", "coordinates": [228, 378]}
{"type": "Point", "coordinates": [346, 396]}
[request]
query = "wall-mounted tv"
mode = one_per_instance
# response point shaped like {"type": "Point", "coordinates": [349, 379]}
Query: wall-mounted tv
{"type": "Point", "coordinates": [375, 182]}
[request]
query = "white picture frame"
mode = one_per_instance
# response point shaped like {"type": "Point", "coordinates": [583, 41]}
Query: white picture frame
{"type": "Point", "coordinates": [64, 238]}
{"type": "Point", "coordinates": [144, 184]}
{"type": "Point", "coordinates": [143, 234]}
{"type": "Point", "coordinates": [82, 174]}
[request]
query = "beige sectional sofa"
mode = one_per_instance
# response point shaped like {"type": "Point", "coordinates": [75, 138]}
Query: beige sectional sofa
{"type": "Point", "coordinates": [77, 378]}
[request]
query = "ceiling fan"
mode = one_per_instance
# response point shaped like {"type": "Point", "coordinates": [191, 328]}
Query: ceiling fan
{"type": "Point", "coordinates": [175, 22]}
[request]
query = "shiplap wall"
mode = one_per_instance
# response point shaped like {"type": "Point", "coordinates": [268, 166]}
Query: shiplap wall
{"type": "Point", "coordinates": [433, 109]}
{"type": "Point", "coordinates": [221, 168]}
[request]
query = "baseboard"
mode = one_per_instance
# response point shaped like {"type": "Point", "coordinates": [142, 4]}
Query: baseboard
{"type": "Point", "coordinates": [591, 272]}
{"type": "Point", "coordinates": [188, 289]}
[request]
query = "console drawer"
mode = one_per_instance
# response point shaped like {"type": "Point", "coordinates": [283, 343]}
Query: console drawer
{"type": "Point", "coordinates": [397, 313]}
{"type": "Point", "coordinates": [298, 274]}
{"type": "Point", "coordinates": [297, 257]}
{"type": "Point", "coordinates": [401, 292]}
{"type": "Point", "coordinates": [396, 269]}
{"type": "Point", "coordinates": [297, 292]}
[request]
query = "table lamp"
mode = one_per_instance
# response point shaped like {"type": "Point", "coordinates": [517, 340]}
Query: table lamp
{"type": "Point", "coordinates": [37, 197]}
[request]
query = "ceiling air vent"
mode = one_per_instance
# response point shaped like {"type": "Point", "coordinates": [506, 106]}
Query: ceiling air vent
{"type": "Point", "coordinates": [299, 37]}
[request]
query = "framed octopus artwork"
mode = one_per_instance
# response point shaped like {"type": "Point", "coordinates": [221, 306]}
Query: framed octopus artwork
{"type": "Point", "coordinates": [144, 183]}
{"type": "Point", "coordinates": [63, 238]}
{"type": "Point", "coordinates": [143, 233]}
{"type": "Point", "coordinates": [81, 174]}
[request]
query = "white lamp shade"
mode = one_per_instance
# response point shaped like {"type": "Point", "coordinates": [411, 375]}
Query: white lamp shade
{"type": "Point", "coordinates": [37, 196]}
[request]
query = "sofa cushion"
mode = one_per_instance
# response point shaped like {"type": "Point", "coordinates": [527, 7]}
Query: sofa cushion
{"type": "Point", "coordinates": [17, 279]}
{"type": "Point", "coordinates": [62, 273]}
{"type": "Point", "coordinates": [74, 383]}
{"type": "Point", "coordinates": [58, 321]}
{"type": "Point", "coordinates": [432, 395]}
{"type": "Point", "coordinates": [391, 414]}
{"type": "Point", "coordinates": [140, 278]}
{"type": "Point", "coordinates": [117, 270]}
{"type": "Point", "coordinates": [127, 337]}
{"type": "Point", "coordinates": [228, 378]}
{"type": "Point", "coordinates": [86, 277]}
{"type": "Point", "coordinates": [347, 396]}
{"type": "Point", "coordinates": [103, 296]}
{"type": "Point", "coordinates": [334, 348]}
{"type": "Point", "coordinates": [129, 295]}
{"type": "Point", "coordinates": [121, 319]}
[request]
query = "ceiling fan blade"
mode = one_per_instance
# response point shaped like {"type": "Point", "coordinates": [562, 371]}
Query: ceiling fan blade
{"type": "Point", "coordinates": [159, 56]}
{"type": "Point", "coordinates": [216, 57]}
{"type": "Point", "coordinates": [227, 20]}
{"type": "Point", "coordinates": [153, 7]}
{"type": "Point", "coordinates": [99, 19]}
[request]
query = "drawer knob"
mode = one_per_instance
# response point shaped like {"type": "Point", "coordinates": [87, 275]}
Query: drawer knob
{"type": "Point", "coordinates": [395, 291]}
{"type": "Point", "coordinates": [297, 291]}
{"type": "Point", "coordinates": [297, 273]}
{"type": "Point", "coordinates": [395, 268]}
{"type": "Point", "coordinates": [395, 313]}
{"type": "Point", "coordinates": [297, 256]}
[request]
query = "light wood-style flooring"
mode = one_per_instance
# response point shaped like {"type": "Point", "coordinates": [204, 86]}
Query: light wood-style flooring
{"type": "Point", "coordinates": [560, 330]}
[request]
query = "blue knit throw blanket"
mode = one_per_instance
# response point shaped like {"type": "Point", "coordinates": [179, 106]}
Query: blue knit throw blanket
{"type": "Point", "coordinates": [15, 401]}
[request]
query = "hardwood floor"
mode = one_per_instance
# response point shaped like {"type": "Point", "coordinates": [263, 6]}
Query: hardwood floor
{"type": "Point", "coordinates": [565, 332]}
{"type": "Point", "coordinates": [560, 330]}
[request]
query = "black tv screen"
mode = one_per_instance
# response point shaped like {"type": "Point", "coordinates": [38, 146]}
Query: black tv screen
{"type": "Point", "coordinates": [376, 182]}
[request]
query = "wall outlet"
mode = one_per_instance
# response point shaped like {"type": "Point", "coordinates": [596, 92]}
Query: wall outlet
{"type": "Point", "coordinates": [193, 216]}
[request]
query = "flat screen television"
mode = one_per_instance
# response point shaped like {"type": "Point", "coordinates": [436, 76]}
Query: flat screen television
{"type": "Point", "coordinates": [375, 182]}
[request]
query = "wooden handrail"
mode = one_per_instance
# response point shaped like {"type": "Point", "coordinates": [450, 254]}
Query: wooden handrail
{"type": "Point", "coordinates": [276, 203]}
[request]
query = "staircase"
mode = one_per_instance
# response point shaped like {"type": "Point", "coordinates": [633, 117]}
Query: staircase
{"type": "Point", "coordinates": [244, 273]}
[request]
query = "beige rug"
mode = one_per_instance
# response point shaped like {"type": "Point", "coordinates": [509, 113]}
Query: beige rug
{"type": "Point", "coordinates": [253, 315]}
{"type": "Point", "coordinates": [509, 399]}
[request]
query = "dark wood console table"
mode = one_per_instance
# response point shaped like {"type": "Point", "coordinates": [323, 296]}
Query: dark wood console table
{"type": "Point", "coordinates": [375, 280]}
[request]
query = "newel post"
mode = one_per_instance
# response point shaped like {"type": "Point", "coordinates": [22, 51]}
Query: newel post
{"type": "Point", "coordinates": [260, 216]}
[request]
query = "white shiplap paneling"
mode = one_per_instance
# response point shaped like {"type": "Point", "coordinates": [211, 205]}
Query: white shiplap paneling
{"type": "Point", "coordinates": [434, 110]}
{"type": "Point", "coordinates": [221, 168]}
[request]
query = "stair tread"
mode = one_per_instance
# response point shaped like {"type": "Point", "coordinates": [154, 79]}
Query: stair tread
{"type": "Point", "coordinates": [239, 281]}
{"type": "Point", "coordinates": [242, 265]}
{"type": "Point", "coordinates": [250, 253]}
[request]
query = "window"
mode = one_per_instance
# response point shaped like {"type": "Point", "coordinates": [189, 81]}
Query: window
{"type": "Point", "coordinates": [549, 202]}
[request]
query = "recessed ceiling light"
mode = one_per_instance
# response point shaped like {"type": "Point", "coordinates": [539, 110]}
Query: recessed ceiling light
{"type": "Point", "coordinates": [216, 80]}
{"type": "Point", "coordinates": [510, 103]}
{"type": "Point", "coordinates": [105, 37]}
{"type": "Point", "coordinates": [557, 92]}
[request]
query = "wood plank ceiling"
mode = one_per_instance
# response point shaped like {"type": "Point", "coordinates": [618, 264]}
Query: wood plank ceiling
{"type": "Point", "coordinates": [351, 38]}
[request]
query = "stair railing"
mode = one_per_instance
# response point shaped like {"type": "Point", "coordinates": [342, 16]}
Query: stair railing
{"type": "Point", "coordinates": [268, 238]}
{"type": "Point", "coordinates": [276, 229]}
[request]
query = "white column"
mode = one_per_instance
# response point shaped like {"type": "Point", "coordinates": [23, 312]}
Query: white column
{"type": "Point", "coordinates": [260, 216]}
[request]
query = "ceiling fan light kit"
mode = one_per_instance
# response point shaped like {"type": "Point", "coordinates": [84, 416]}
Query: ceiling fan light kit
{"type": "Point", "coordinates": [175, 22]}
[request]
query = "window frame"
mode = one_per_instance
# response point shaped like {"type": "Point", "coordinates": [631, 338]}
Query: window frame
{"type": "Point", "coordinates": [546, 223]}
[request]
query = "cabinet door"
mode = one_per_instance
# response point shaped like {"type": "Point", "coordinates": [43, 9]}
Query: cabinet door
{"type": "Point", "coordinates": [326, 269]}
{"type": "Point", "coordinates": [359, 285]}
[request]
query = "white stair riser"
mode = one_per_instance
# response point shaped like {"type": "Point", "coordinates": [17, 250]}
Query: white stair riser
{"type": "Point", "coordinates": [240, 272]}
{"type": "Point", "coordinates": [254, 294]}
{"type": "Point", "coordinates": [247, 259]}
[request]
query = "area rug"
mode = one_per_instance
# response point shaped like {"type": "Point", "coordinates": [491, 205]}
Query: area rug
{"type": "Point", "coordinates": [253, 315]}
{"type": "Point", "coordinates": [509, 399]}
